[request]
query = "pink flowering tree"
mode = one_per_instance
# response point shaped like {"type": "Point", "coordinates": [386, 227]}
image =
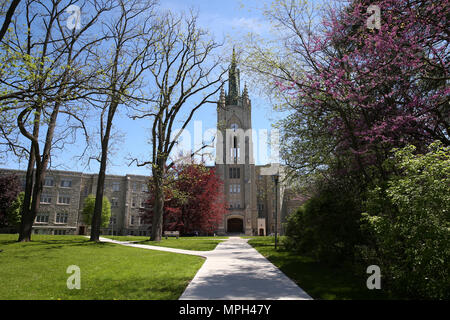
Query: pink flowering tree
{"type": "Point", "coordinates": [357, 91]}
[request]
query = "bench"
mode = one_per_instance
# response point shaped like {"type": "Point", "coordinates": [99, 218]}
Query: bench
{"type": "Point", "coordinates": [171, 234]}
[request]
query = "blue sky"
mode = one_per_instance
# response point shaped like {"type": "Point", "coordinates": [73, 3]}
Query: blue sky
{"type": "Point", "coordinates": [226, 20]}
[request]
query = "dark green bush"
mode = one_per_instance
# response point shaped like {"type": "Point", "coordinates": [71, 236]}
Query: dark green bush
{"type": "Point", "coordinates": [326, 227]}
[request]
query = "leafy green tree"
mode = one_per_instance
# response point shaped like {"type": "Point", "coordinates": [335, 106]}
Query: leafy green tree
{"type": "Point", "coordinates": [88, 210]}
{"type": "Point", "coordinates": [409, 221]}
{"type": "Point", "coordinates": [13, 214]}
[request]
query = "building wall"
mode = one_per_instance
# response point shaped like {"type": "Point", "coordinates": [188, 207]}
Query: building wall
{"type": "Point", "coordinates": [125, 193]}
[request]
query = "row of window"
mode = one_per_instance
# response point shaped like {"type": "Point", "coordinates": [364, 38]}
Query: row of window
{"type": "Point", "coordinates": [135, 201]}
{"type": "Point", "coordinates": [136, 221]}
{"type": "Point", "coordinates": [134, 187]}
{"type": "Point", "coordinates": [235, 188]}
{"type": "Point", "coordinates": [236, 205]}
{"type": "Point", "coordinates": [65, 199]}
{"type": "Point", "coordinates": [64, 183]}
{"type": "Point", "coordinates": [59, 218]}
{"type": "Point", "coordinates": [47, 231]}
{"type": "Point", "coordinates": [67, 183]}
{"type": "Point", "coordinates": [62, 199]}
{"type": "Point", "coordinates": [234, 173]}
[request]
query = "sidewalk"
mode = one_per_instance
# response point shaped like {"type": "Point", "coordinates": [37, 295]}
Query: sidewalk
{"type": "Point", "coordinates": [234, 270]}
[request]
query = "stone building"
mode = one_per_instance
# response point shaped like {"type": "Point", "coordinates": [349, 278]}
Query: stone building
{"type": "Point", "coordinates": [63, 196]}
{"type": "Point", "coordinates": [257, 205]}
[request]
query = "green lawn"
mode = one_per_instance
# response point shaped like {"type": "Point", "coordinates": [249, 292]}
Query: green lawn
{"type": "Point", "coordinates": [37, 270]}
{"type": "Point", "coordinates": [187, 243]}
{"type": "Point", "coordinates": [318, 280]}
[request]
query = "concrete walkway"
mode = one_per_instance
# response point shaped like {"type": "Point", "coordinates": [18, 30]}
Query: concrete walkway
{"type": "Point", "coordinates": [234, 270]}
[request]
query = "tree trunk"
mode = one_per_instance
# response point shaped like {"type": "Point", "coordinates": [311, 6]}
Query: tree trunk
{"type": "Point", "coordinates": [158, 210]}
{"type": "Point", "coordinates": [27, 197]}
{"type": "Point", "coordinates": [98, 208]}
{"type": "Point", "coordinates": [41, 170]}
{"type": "Point", "coordinates": [25, 222]}
{"type": "Point", "coordinates": [97, 216]}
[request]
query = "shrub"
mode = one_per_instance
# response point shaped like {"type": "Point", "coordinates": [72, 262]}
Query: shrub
{"type": "Point", "coordinates": [88, 210]}
{"type": "Point", "coordinates": [410, 224]}
{"type": "Point", "coordinates": [326, 227]}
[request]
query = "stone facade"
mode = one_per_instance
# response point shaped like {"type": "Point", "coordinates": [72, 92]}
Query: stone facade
{"type": "Point", "coordinates": [63, 196]}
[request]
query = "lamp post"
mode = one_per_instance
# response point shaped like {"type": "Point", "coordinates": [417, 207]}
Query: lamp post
{"type": "Point", "coordinates": [275, 177]}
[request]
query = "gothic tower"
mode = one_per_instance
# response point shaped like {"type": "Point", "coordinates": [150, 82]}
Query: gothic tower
{"type": "Point", "coordinates": [234, 155]}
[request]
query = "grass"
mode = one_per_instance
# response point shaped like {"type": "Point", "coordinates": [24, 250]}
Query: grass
{"type": "Point", "coordinates": [186, 243]}
{"type": "Point", "coordinates": [318, 280]}
{"type": "Point", "coordinates": [37, 270]}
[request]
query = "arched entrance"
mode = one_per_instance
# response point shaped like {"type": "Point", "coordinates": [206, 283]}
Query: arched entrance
{"type": "Point", "coordinates": [235, 225]}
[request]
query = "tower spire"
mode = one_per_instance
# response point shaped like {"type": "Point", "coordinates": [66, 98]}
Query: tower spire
{"type": "Point", "coordinates": [233, 81]}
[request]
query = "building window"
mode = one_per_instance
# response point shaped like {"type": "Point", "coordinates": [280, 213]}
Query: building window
{"type": "Point", "coordinates": [235, 188]}
{"type": "Point", "coordinates": [42, 218]}
{"type": "Point", "coordinates": [132, 220]}
{"type": "Point", "coordinates": [235, 173]}
{"type": "Point", "coordinates": [113, 220]}
{"type": "Point", "coordinates": [144, 187]}
{"type": "Point", "coordinates": [114, 202]}
{"type": "Point", "coordinates": [234, 150]}
{"type": "Point", "coordinates": [61, 218]}
{"type": "Point", "coordinates": [46, 198]}
{"type": "Point", "coordinates": [59, 232]}
{"type": "Point", "coordinates": [133, 202]}
{"type": "Point", "coordinates": [66, 183]}
{"type": "Point", "coordinates": [63, 199]}
{"type": "Point", "coordinates": [49, 182]}
{"type": "Point", "coordinates": [143, 203]}
{"type": "Point", "coordinates": [134, 186]}
{"type": "Point", "coordinates": [116, 186]}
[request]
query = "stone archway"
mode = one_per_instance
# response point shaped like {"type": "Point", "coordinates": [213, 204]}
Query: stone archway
{"type": "Point", "coordinates": [235, 225]}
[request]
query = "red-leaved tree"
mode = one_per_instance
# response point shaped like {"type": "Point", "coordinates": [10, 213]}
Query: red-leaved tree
{"type": "Point", "coordinates": [194, 200]}
{"type": "Point", "coordinates": [9, 190]}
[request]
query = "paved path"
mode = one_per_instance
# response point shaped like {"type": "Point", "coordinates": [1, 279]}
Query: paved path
{"type": "Point", "coordinates": [234, 270]}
